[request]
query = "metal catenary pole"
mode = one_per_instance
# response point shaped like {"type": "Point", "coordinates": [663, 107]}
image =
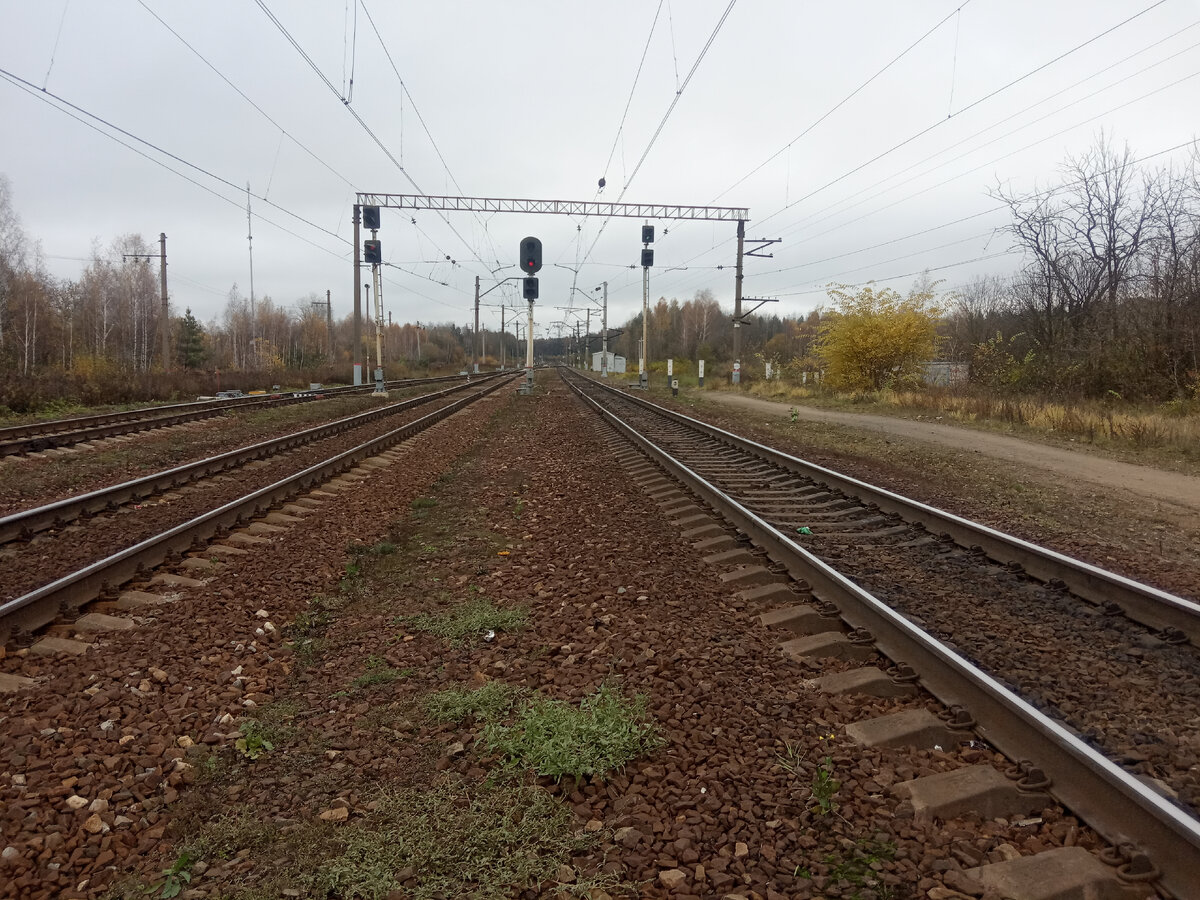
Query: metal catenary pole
{"type": "Point", "coordinates": [476, 341]}
{"type": "Point", "coordinates": [529, 345]}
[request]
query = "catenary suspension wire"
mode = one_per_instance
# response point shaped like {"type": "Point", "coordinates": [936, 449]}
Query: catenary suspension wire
{"type": "Point", "coordinates": [354, 114]}
{"type": "Point", "coordinates": [637, 75]}
{"type": "Point", "coordinates": [662, 123]}
{"type": "Point", "coordinates": [420, 118]}
{"type": "Point", "coordinates": [244, 96]}
{"type": "Point", "coordinates": [829, 112]}
{"type": "Point", "coordinates": [969, 106]}
{"type": "Point", "coordinates": [70, 110]}
{"type": "Point", "coordinates": [809, 219]}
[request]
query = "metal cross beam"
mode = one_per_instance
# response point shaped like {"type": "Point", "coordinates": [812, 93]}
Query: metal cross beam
{"type": "Point", "coordinates": [758, 301]}
{"type": "Point", "coordinates": [555, 207]}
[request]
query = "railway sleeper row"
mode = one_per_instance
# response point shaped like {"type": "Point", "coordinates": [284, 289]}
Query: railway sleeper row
{"type": "Point", "coordinates": [187, 545]}
{"type": "Point", "coordinates": [1145, 854]}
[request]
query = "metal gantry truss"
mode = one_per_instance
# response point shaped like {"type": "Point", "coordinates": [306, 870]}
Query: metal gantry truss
{"type": "Point", "coordinates": [740, 215]}
{"type": "Point", "coordinates": [555, 207]}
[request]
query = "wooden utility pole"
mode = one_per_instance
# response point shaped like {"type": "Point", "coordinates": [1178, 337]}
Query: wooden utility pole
{"type": "Point", "coordinates": [166, 313]}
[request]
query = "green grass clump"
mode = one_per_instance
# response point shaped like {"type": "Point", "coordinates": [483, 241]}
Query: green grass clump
{"type": "Point", "coordinates": [601, 735]}
{"type": "Point", "coordinates": [485, 704]}
{"type": "Point", "coordinates": [468, 620]}
{"type": "Point", "coordinates": [480, 843]}
{"type": "Point", "coordinates": [378, 672]}
{"type": "Point", "coordinates": [486, 842]}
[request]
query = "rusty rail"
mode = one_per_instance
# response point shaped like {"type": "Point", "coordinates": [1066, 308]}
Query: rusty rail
{"type": "Point", "coordinates": [1115, 803]}
{"type": "Point", "coordinates": [39, 607]}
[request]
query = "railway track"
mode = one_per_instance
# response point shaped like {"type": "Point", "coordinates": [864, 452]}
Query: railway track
{"type": "Point", "coordinates": [37, 437]}
{"type": "Point", "coordinates": [1086, 678]}
{"type": "Point", "coordinates": [78, 565]}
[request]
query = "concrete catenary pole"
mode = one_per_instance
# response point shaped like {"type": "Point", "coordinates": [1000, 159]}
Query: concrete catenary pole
{"type": "Point", "coordinates": [604, 339]}
{"type": "Point", "coordinates": [329, 324]}
{"type": "Point", "coordinates": [737, 306]}
{"type": "Point", "coordinates": [476, 341]}
{"type": "Point", "coordinates": [166, 313]}
{"type": "Point", "coordinates": [356, 353]}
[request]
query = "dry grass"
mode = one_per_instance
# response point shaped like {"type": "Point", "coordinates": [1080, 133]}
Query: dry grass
{"type": "Point", "coordinates": [1173, 427]}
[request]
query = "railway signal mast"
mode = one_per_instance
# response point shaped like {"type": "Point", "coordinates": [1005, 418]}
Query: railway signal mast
{"type": "Point", "coordinates": [531, 262]}
{"type": "Point", "coordinates": [647, 262]}
{"type": "Point", "coordinates": [373, 253]}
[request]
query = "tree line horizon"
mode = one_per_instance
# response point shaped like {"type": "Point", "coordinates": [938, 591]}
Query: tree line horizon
{"type": "Point", "coordinates": [1106, 301]}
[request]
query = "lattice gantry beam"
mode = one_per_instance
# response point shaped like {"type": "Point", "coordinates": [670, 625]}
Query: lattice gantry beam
{"type": "Point", "coordinates": [554, 207]}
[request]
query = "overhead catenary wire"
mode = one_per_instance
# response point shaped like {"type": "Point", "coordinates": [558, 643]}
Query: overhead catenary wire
{"type": "Point", "coordinates": [82, 116]}
{"type": "Point", "coordinates": [982, 131]}
{"type": "Point", "coordinates": [827, 230]}
{"type": "Point", "coordinates": [245, 96]}
{"type": "Point", "coordinates": [662, 123]}
{"type": "Point", "coordinates": [359, 119]}
{"type": "Point", "coordinates": [417, 112]}
{"type": "Point", "coordinates": [986, 97]}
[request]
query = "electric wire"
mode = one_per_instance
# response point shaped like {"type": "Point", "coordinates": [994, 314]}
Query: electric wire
{"type": "Point", "coordinates": [829, 112]}
{"type": "Point", "coordinates": [78, 114]}
{"type": "Point", "coordinates": [815, 221]}
{"type": "Point", "coordinates": [362, 122]}
{"type": "Point", "coordinates": [33, 89]}
{"type": "Point", "coordinates": [662, 123]}
{"type": "Point", "coordinates": [969, 106]}
{"type": "Point", "coordinates": [416, 110]}
{"type": "Point", "coordinates": [245, 97]}
{"type": "Point", "coordinates": [826, 231]}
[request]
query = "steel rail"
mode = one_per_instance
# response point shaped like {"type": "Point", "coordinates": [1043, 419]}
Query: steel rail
{"type": "Point", "coordinates": [25, 523]}
{"type": "Point", "coordinates": [39, 607]}
{"type": "Point", "coordinates": [1115, 803]}
{"type": "Point", "coordinates": [34, 437]}
{"type": "Point", "coordinates": [1140, 602]}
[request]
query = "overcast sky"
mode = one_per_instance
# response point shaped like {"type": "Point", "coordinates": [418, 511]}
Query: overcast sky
{"type": "Point", "coordinates": [529, 98]}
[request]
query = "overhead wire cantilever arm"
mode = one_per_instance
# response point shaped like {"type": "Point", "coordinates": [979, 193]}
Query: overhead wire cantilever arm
{"type": "Point", "coordinates": [761, 300]}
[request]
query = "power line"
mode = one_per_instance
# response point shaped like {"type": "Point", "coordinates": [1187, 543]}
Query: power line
{"type": "Point", "coordinates": [953, 265]}
{"type": "Point", "coordinates": [69, 109]}
{"type": "Point", "coordinates": [244, 96]}
{"type": "Point", "coordinates": [982, 131]}
{"type": "Point", "coordinates": [417, 112]}
{"type": "Point", "coordinates": [662, 123]}
{"type": "Point", "coordinates": [903, 53]}
{"type": "Point", "coordinates": [633, 88]}
{"type": "Point", "coordinates": [1008, 133]}
{"type": "Point", "coordinates": [362, 123]}
{"type": "Point", "coordinates": [969, 106]}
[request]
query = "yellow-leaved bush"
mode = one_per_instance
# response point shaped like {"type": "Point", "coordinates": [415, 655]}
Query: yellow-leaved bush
{"type": "Point", "coordinates": [877, 336]}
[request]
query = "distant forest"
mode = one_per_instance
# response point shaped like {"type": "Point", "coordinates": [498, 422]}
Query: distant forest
{"type": "Point", "coordinates": [1107, 300]}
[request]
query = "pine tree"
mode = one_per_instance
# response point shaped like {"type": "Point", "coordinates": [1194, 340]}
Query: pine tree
{"type": "Point", "coordinates": [192, 343]}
